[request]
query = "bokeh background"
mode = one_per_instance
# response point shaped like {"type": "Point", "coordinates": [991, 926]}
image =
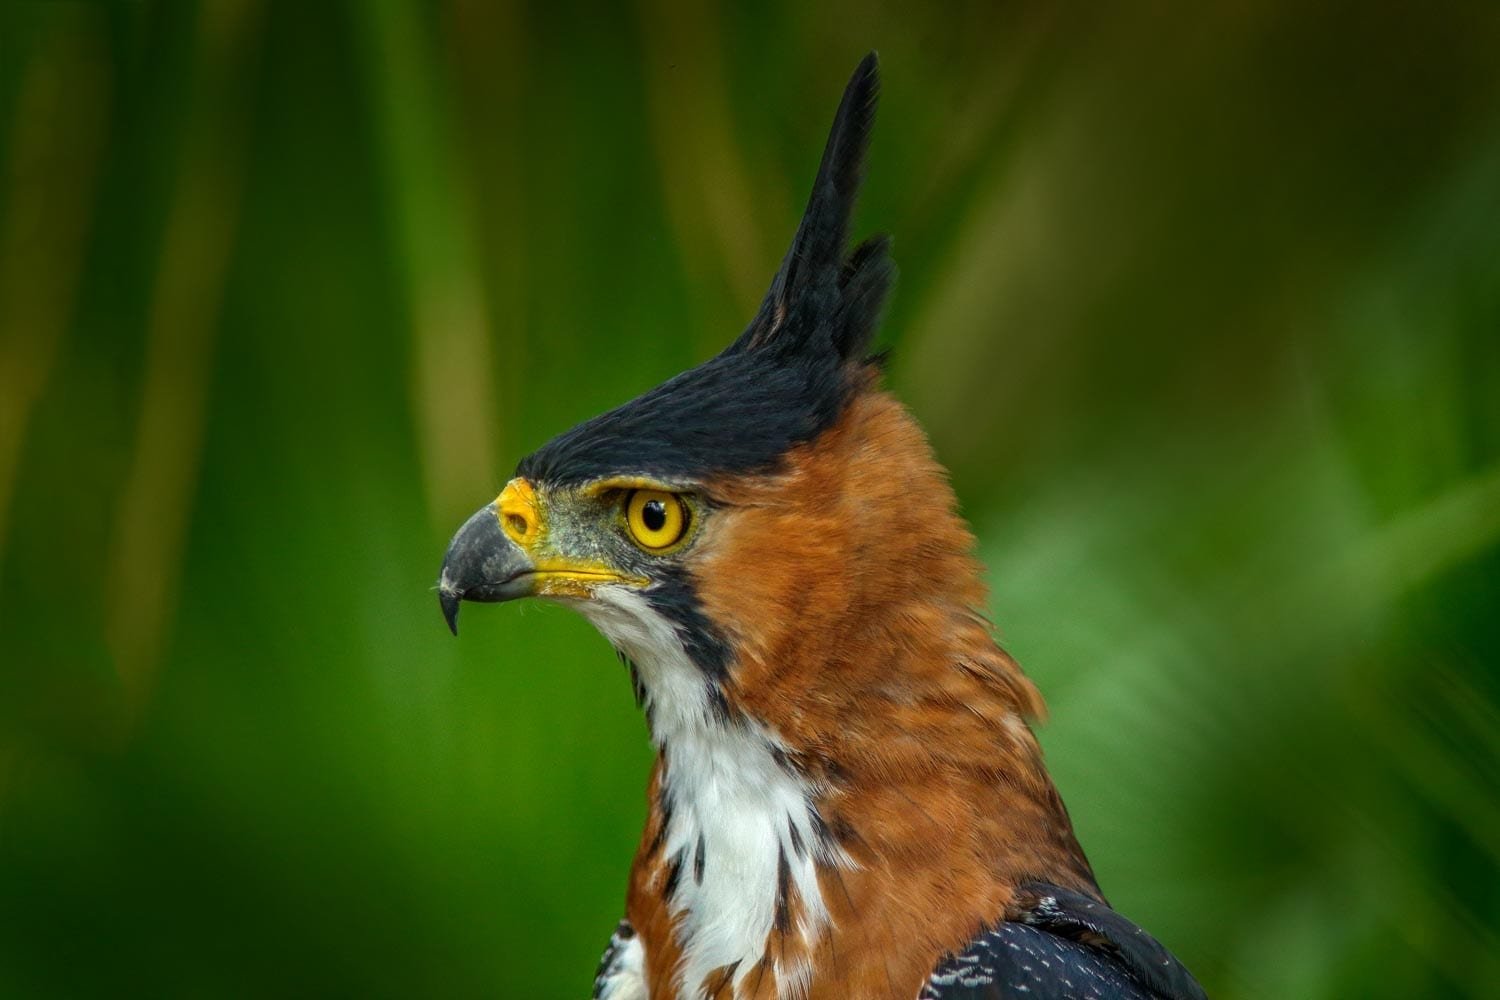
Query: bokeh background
{"type": "Point", "coordinates": [1201, 303]}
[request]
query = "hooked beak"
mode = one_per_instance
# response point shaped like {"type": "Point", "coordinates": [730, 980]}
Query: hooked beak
{"type": "Point", "coordinates": [483, 564]}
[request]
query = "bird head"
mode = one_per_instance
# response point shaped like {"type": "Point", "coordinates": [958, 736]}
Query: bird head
{"type": "Point", "coordinates": [771, 506]}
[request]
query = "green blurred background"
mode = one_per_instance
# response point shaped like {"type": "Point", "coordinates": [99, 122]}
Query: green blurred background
{"type": "Point", "coordinates": [1201, 303]}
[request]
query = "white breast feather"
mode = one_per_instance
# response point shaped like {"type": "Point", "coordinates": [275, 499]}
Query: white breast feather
{"type": "Point", "coordinates": [725, 785]}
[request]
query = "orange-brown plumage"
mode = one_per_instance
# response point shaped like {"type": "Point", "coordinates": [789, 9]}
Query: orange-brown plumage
{"type": "Point", "coordinates": [851, 597]}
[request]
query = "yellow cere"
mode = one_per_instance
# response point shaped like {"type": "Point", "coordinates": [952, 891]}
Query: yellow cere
{"type": "Point", "coordinates": [656, 519]}
{"type": "Point", "coordinates": [520, 517]}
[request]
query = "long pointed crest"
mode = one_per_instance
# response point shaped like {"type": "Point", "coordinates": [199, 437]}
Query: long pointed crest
{"type": "Point", "coordinates": [817, 289]}
{"type": "Point", "coordinates": [787, 378]}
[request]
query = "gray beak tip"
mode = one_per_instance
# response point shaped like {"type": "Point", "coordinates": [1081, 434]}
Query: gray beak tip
{"type": "Point", "coordinates": [450, 602]}
{"type": "Point", "coordinates": [482, 564]}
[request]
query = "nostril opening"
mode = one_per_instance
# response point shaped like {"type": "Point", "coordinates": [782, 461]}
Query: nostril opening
{"type": "Point", "coordinates": [518, 512]}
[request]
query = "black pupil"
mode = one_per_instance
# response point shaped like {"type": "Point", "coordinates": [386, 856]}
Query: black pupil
{"type": "Point", "coordinates": [654, 515]}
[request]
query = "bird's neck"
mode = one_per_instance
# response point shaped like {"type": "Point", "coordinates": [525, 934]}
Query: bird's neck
{"type": "Point", "coordinates": [847, 587]}
{"type": "Point", "coordinates": [861, 780]}
{"type": "Point", "coordinates": [881, 819]}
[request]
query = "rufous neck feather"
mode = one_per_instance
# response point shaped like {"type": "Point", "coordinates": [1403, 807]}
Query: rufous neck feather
{"type": "Point", "coordinates": [849, 574]}
{"type": "Point", "coordinates": [848, 588]}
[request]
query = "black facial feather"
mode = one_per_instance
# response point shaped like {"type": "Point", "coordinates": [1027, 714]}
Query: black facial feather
{"type": "Point", "coordinates": [788, 377]}
{"type": "Point", "coordinates": [676, 597]}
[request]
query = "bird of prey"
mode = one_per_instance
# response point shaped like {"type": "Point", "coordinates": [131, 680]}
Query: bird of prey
{"type": "Point", "coordinates": [847, 798]}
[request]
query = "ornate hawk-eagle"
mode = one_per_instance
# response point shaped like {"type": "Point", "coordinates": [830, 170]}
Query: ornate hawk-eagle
{"type": "Point", "coordinates": [847, 799]}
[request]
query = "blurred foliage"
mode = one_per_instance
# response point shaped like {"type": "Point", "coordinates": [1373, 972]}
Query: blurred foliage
{"type": "Point", "coordinates": [1200, 302]}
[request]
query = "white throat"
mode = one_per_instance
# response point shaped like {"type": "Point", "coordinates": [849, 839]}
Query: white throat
{"type": "Point", "coordinates": [738, 817]}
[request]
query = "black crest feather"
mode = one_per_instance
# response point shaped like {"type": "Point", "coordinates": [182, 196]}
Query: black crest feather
{"type": "Point", "coordinates": [789, 375]}
{"type": "Point", "coordinates": [815, 278]}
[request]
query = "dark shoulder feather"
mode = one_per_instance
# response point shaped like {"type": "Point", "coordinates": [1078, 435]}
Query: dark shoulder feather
{"type": "Point", "coordinates": [1057, 944]}
{"type": "Point", "coordinates": [614, 968]}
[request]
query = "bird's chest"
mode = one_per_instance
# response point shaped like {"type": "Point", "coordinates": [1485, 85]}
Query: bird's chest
{"type": "Point", "coordinates": [725, 890]}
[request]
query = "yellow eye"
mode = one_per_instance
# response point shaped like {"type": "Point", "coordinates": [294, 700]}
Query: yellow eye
{"type": "Point", "coordinates": [656, 519]}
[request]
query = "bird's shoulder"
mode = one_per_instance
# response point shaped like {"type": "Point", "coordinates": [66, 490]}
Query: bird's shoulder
{"type": "Point", "coordinates": [622, 974]}
{"type": "Point", "coordinates": [1052, 944]}
{"type": "Point", "coordinates": [1058, 943]}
